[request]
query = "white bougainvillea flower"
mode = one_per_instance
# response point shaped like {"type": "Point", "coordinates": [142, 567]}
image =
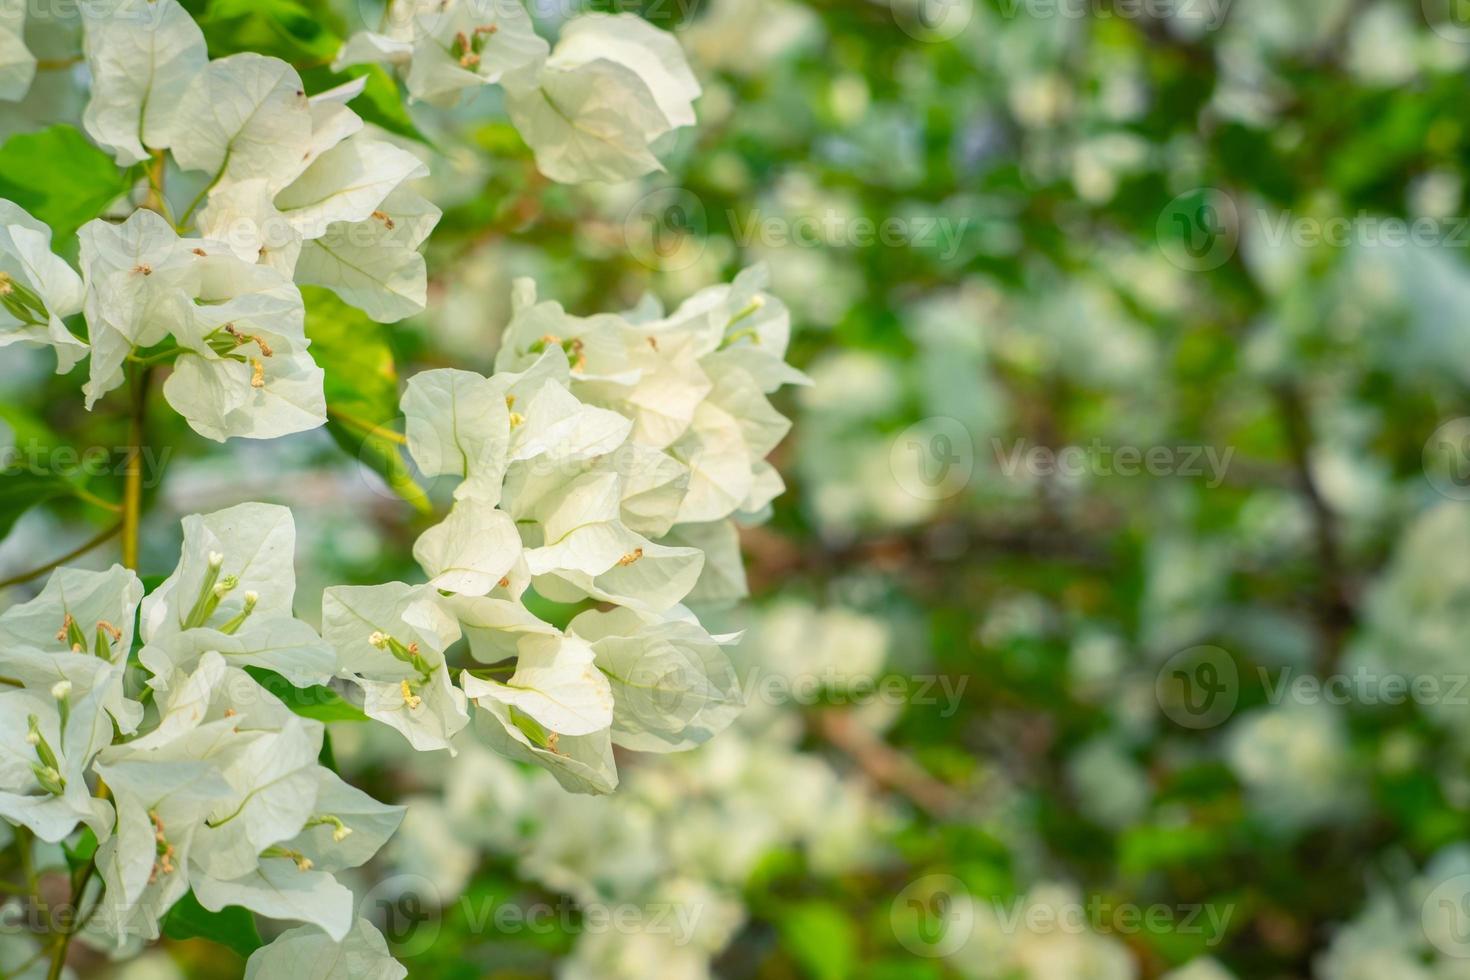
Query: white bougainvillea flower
{"type": "Point", "coordinates": [307, 953]}
{"type": "Point", "coordinates": [739, 324]}
{"type": "Point", "coordinates": [580, 763]}
{"type": "Point", "coordinates": [458, 424]}
{"type": "Point", "coordinates": [494, 626]}
{"type": "Point", "coordinates": [450, 48]}
{"type": "Point", "coordinates": [136, 275]}
{"type": "Point", "coordinates": [595, 345]}
{"type": "Point", "coordinates": [242, 215]}
{"type": "Point", "coordinates": [348, 182]}
{"type": "Point", "coordinates": [232, 594]}
{"type": "Point", "coordinates": [78, 611]}
{"type": "Point", "coordinates": [245, 371]}
{"type": "Point", "coordinates": [672, 684]}
{"type": "Point", "coordinates": [143, 56]}
{"type": "Point", "coordinates": [390, 642]}
{"type": "Point", "coordinates": [162, 797]}
{"type": "Point", "coordinates": [347, 827]}
{"type": "Point", "coordinates": [607, 561]}
{"type": "Point", "coordinates": [258, 824]}
{"type": "Point", "coordinates": [248, 116]}
{"type": "Point", "coordinates": [633, 42]}
{"type": "Point", "coordinates": [246, 549]}
{"type": "Point", "coordinates": [555, 683]}
{"type": "Point", "coordinates": [463, 424]}
{"type": "Point", "coordinates": [375, 263]}
{"type": "Point", "coordinates": [472, 551]}
{"type": "Point", "coordinates": [48, 740]}
{"type": "Point", "coordinates": [17, 64]}
{"type": "Point", "coordinates": [612, 86]}
{"type": "Point", "coordinates": [725, 449]}
{"type": "Point", "coordinates": [37, 288]}
{"type": "Point", "coordinates": [722, 582]}
{"type": "Point", "coordinates": [80, 618]}
{"type": "Point", "coordinates": [272, 779]}
{"type": "Point", "coordinates": [555, 428]}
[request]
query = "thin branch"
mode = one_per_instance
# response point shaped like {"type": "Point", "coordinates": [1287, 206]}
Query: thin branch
{"type": "Point", "coordinates": [133, 485]}
{"type": "Point", "coordinates": [77, 552]}
{"type": "Point", "coordinates": [366, 427]}
{"type": "Point", "coordinates": [886, 766]}
{"type": "Point", "coordinates": [1337, 613]}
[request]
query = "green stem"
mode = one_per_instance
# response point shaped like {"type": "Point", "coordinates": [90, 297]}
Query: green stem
{"type": "Point", "coordinates": [133, 481]}
{"type": "Point", "coordinates": [88, 496]}
{"type": "Point", "coordinates": [159, 357]}
{"type": "Point", "coordinates": [366, 427]}
{"type": "Point", "coordinates": [77, 552]}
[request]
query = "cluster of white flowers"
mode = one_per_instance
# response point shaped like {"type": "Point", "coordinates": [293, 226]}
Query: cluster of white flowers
{"type": "Point", "coordinates": [670, 856]}
{"type": "Point", "coordinates": [197, 778]}
{"type": "Point", "coordinates": [608, 459]}
{"type": "Point", "coordinates": [295, 193]}
{"type": "Point", "coordinates": [592, 108]}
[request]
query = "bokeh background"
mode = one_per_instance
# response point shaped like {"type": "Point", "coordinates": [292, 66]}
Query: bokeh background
{"type": "Point", "coordinates": [1115, 622]}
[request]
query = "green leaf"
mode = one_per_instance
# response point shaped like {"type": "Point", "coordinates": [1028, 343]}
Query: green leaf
{"type": "Point", "coordinates": [231, 926]}
{"type": "Point", "coordinates": [284, 29]}
{"type": "Point", "coordinates": [79, 854]}
{"type": "Point", "coordinates": [821, 938]}
{"type": "Point", "coordinates": [316, 702]}
{"type": "Point", "coordinates": [362, 389]}
{"type": "Point", "coordinates": [21, 489]}
{"type": "Point", "coordinates": [60, 177]}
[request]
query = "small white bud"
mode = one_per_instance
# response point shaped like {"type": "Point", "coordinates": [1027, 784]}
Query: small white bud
{"type": "Point", "coordinates": [61, 690]}
{"type": "Point", "coordinates": [216, 559]}
{"type": "Point", "coordinates": [33, 738]}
